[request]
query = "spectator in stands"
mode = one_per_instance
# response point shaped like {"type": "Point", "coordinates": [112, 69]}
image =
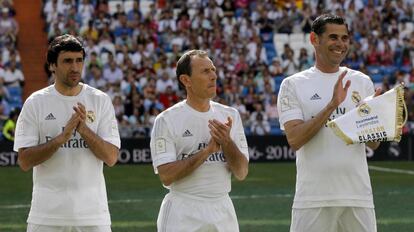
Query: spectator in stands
{"type": "Point", "coordinates": [271, 111]}
{"type": "Point", "coordinates": [93, 60]}
{"type": "Point", "coordinates": [2, 71]}
{"type": "Point", "coordinates": [118, 106]}
{"type": "Point", "coordinates": [51, 12]}
{"type": "Point", "coordinates": [102, 6]}
{"type": "Point", "coordinates": [13, 57]}
{"type": "Point", "coordinates": [129, 84]}
{"type": "Point", "coordinates": [133, 102]}
{"type": "Point", "coordinates": [268, 92]}
{"type": "Point", "coordinates": [66, 7]}
{"type": "Point", "coordinates": [8, 25]}
{"type": "Point", "coordinates": [290, 65]}
{"type": "Point", "coordinates": [258, 109]}
{"type": "Point", "coordinates": [95, 78]}
{"type": "Point", "coordinates": [353, 61]}
{"type": "Point", "coordinates": [244, 114]}
{"type": "Point", "coordinates": [165, 68]}
{"type": "Point", "coordinates": [285, 23]}
{"type": "Point", "coordinates": [228, 8]}
{"type": "Point", "coordinates": [125, 128]}
{"type": "Point", "coordinates": [90, 32]}
{"type": "Point", "coordinates": [73, 20]}
{"type": "Point", "coordinates": [151, 100]}
{"type": "Point", "coordinates": [260, 126]}
{"type": "Point", "coordinates": [122, 30]}
{"type": "Point", "coordinates": [305, 61]}
{"type": "Point", "coordinates": [106, 45]}
{"type": "Point", "coordinates": [163, 82]}
{"type": "Point", "coordinates": [136, 120]}
{"type": "Point", "coordinates": [102, 20]}
{"type": "Point", "coordinates": [10, 125]}
{"type": "Point", "coordinates": [241, 65]}
{"type": "Point", "coordinates": [332, 190]}
{"type": "Point", "coordinates": [13, 76]}
{"type": "Point", "coordinates": [4, 102]}
{"type": "Point", "coordinates": [387, 55]}
{"type": "Point", "coordinates": [168, 98]}
{"type": "Point", "coordinates": [184, 22]}
{"type": "Point", "coordinates": [86, 11]}
{"type": "Point", "coordinates": [307, 19]}
{"type": "Point", "coordinates": [135, 13]}
{"type": "Point", "coordinates": [286, 49]}
{"type": "Point", "coordinates": [401, 77]}
{"type": "Point", "coordinates": [113, 74]}
{"type": "Point", "coordinates": [166, 21]}
{"type": "Point", "coordinates": [149, 119]}
{"type": "Point", "coordinates": [372, 57]}
{"type": "Point", "coordinates": [275, 68]}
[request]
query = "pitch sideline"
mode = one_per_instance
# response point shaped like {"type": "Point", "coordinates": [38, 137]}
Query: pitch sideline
{"type": "Point", "coordinates": [392, 170]}
{"type": "Point", "coordinates": [235, 197]}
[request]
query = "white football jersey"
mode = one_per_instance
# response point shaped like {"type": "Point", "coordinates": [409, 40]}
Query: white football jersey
{"type": "Point", "coordinates": [180, 132]}
{"type": "Point", "coordinates": [69, 188]}
{"type": "Point", "coordinates": [329, 172]}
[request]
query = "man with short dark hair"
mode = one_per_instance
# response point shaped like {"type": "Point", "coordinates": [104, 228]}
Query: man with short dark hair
{"type": "Point", "coordinates": [196, 145]}
{"type": "Point", "coordinates": [66, 132]}
{"type": "Point", "coordinates": [333, 189]}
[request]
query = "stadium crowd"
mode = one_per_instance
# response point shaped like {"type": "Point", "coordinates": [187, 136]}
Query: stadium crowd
{"type": "Point", "coordinates": [132, 48]}
{"type": "Point", "coordinates": [11, 75]}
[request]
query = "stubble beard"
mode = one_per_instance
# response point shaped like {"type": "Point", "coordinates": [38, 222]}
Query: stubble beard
{"type": "Point", "coordinates": [69, 83]}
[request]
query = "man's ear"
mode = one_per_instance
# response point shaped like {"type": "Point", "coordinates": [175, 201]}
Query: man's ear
{"type": "Point", "coordinates": [185, 79]}
{"type": "Point", "coordinates": [52, 68]}
{"type": "Point", "coordinates": [314, 39]}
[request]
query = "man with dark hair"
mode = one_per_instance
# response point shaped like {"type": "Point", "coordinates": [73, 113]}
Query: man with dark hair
{"type": "Point", "coordinates": [333, 189]}
{"type": "Point", "coordinates": [196, 145]}
{"type": "Point", "coordinates": [66, 132]}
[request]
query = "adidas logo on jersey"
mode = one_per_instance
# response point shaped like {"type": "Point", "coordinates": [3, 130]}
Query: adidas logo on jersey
{"type": "Point", "coordinates": [315, 97]}
{"type": "Point", "coordinates": [187, 133]}
{"type": "Point", "coordinates": [50, 117]}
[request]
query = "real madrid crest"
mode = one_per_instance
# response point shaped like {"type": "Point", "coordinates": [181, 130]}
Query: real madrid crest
{"type": "Point", "coordinates": [90, 116]}
{"type": "Point", "coordinates": [364, 110]}
{"type": "Point", "coordinates": [356, 98]}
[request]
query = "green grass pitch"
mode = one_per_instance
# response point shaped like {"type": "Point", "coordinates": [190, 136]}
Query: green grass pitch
{"type": "Point", "coordinates": [263, 201]}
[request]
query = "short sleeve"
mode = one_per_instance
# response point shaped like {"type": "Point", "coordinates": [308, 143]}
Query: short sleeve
{"type": "Point", "coordinates": [162, 144]}
{"type": "Point", "coordinates": [369, 88]}
{"type": "Point", "coordinates": [108, 125]}
{"type": "Point", "coordinates": [239, 137]}
{"type": "Point", "coordinates": [27, 128]}
{"type": "Point", "coordinates": [288, 103]}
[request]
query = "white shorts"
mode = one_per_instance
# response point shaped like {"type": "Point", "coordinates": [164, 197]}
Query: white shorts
{"type": "Point", "coordinates": [334, 219]}
{"type": "Point", "coordinates": [44, 228]}
{"type": "Point", "coordinates": [180, 213]}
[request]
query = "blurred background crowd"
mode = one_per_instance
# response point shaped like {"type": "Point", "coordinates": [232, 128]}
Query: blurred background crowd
{"type": "Point", "coordinates": [132, 48]}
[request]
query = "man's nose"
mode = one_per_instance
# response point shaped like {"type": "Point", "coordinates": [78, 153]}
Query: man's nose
{"type": "Point", "coordinates": [213, 75]}
{"type": "Point", "coordinates": [76, 66]}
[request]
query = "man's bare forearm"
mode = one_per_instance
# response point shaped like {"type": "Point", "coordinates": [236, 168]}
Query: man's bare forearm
{"type": "Point", "coordinates": [103, 150]}
{"type": "Point", "coordinates": [179, 169]}
{"type": "Point", "coordinates": [236, 161]}
{"type": "Point", "coordinates": [32, 156]}
{"type": "Point", "coordinates": [298, 133]}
